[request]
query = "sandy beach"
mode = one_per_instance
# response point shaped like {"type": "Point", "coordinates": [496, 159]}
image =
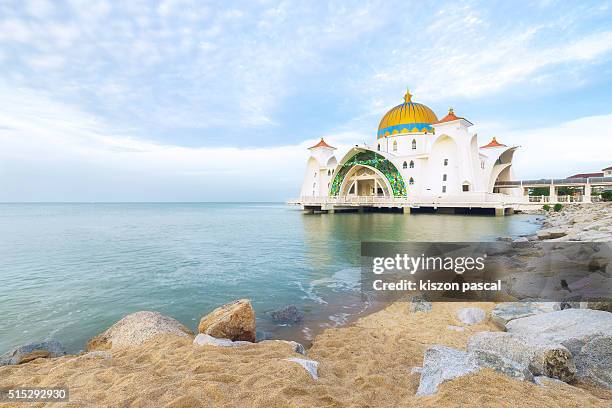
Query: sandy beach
{"type": "Point", "coordinates": [366, 364]}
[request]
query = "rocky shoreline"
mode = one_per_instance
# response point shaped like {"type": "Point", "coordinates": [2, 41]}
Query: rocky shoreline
{"type": "Point", "coordinates": [520, 353]}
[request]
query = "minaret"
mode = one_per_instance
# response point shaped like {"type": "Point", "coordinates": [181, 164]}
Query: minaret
{"type": "Point", "coordinates": [322, 152]}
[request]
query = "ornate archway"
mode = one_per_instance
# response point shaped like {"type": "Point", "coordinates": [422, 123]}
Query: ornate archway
{"type": "Point", "coordinates": [374, 161]}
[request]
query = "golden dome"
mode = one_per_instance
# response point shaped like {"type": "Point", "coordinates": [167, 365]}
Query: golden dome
{"type": "Point", "coordinates": [409, 117]}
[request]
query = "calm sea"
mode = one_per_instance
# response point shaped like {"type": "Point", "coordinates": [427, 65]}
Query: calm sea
{"type": "Point", "coordinates": [68, 271]}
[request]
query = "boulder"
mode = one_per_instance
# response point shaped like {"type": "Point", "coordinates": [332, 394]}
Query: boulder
{"type": "Point", "coordinates": [420, 304]}
{"type": "Point", "coordinates": [501, 364]}
{"type": "Point", "coordinates": [539, 357]}
{"type": "Point", "coordinates": [136, 328]}
{"type": "Point", "coordinates": [289, 314]}
{"type": "Point", "coordinates": [310, 366]}
{"type": "Point", "coordinates": [586, 333]}
{"type": "Point", "coordinates": [234, 321]}
{"type": "Point", "coordinates": [441, 364]}
{"type": "Point", "coordinates": [28, 352]}
{"type": "Point", "coordinates": [206, 340]}
{"type": "Point", "coordinates": [471, 315]}
{"type": "Point", "coordinates": [551, 233]}
{"type": "Point", "coordinates": [594, 361]}
{"type": "Point", "coordinates": [569, 327]}
{"type": "Point", "coordinates": [508, 311]}
{"type": "Point", "coordinates": [521, 242]}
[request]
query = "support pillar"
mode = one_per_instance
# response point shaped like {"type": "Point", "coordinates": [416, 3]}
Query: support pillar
{"type": "Point", "coordinates": [500, 212]}
{"type": "Point", "coordinates": [587, 193]}
{"type": "Point", "coordinates": [406, 210]}
{"type": "Point", "coordinates": [552, 197]}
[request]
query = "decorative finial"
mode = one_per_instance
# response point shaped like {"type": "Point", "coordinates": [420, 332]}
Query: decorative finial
{"type": "Point", "coordinates": [407, 97]}
{"type": "Point", "coordinates": [451, 111]}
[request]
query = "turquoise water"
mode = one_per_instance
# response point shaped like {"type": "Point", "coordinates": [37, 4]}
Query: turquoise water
{"type": "Point", "coordinates": [68, 271]}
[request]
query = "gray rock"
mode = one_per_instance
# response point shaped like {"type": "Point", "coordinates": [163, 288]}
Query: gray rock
{"type": "Point", "coordinates": [455, 328]}
{"type": "Point", "coordinates": [508, 311]}
{"type": "Point", "coordinates": [505, 239]}
{"type": "Point", "coordinates": [537, 356]}
{"type": "Point", "coordinates": [441, 364]}
{"type": "Point", "coordinates": [551, 233]}
{"type": "Point", "coordinates": [503, 365]}
{"type": "Point", "coordinates": [544, 381]}
{"type": "Point", "coordinates": [471, 315]}
{"type": "Point", "coordinates": [585, 333]}
{"type": "Point", "coordinates": [416, 370]}
{"type": "Point", "coordinates": [309, 365]}
{"type": "Point", "coordinates": [569, 327]}
{"type": "Point", "coordinates": [521, 242]}
{"type": "Point", "coordinates": [420, 304]}
{"type": "Point", "coordinates": [207, 340]}
{"type": "Point", "coordinates": [32, 351]}
{"type": "Point", "coordinates": [287, 315]}
{"type": "Point", "coordinates": [594, 361]}
{"type": "Point", "coordinates": [297, 347]}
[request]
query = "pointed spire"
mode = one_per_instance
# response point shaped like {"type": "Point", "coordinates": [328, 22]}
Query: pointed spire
{"type": "Point", "coordinates": [322, 144]}
{"type": "Point", "coordinates": [408, 96]}
{"type": "Point", "coordinates": [493, 143]}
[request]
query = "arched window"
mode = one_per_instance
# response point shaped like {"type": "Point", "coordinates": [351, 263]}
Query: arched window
{"type": "Point", "coordinates": [395, 145]}
{"type": "Point", "coordinates": [412, 164]}
{"type": "Point", "coordinates": [444, 177]}
{"type": "Point", "coordinates": [333, 171]}
{"type": "Point", "coordinates": [314, 185]}
{"type": "Point", "coordinates": [446, 162]}
{"type": "Point", "coordinates": [466, 187]}
{"type": "Point", "coordinates": [411, 181]}
{"type": "Point", "coordinates": [482, 164]}
{"type": "Point", "coordinates": [413, 144]}
{"type": "Point", "coordinates": [405, 165]}
{"type": "Point", "coordinates": [329, 172]}
{"type": "Point", "coordinates": [379, 147]}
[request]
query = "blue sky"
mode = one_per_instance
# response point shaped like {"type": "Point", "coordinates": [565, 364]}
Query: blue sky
{"type": "Point", "coordinates": [190, 100]}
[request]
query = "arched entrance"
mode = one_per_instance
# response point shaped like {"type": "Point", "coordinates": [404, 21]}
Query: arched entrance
{"type": "Point", "coordinates": [364, 181]}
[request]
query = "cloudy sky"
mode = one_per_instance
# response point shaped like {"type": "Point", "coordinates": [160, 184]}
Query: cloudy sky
{"type": "Point", "coordinates": [216, 101]}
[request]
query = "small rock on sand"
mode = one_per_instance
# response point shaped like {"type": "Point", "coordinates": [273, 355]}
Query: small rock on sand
{"type": "Point", "coordinates": [471, 315]}
{"type": "Point", "coordinates": [32, 351]}
{"type": "Point", "coordinates": [442, 363]}
{"type": "Point", "coordinates": [234, 321]}
{"type": "Point", "coordinates": [206, 340]}
{"type": "Point", "coordinates": [309, 365]}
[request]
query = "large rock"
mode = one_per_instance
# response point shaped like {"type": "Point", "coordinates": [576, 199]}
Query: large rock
{"type": "Point", "coordinates": [136, 328]}
{"type": "Point", "coordinates": [539, 357]}
{"type": "Point", "coordinates": [441, 364]}
{"type": "Point", "coordinates": [32, 351]}
{"type": "Point", "coordinates": [234, 321]}
{"type": "Point", "coordinates": [471, 315]}
{"type": "Point", "coordinates": [508, 311]}
{"type": "Point", "coordinates": [552, 233]}
{"type": "Point", "coordinates": [586, 333]}
{"type": "Point", "coordinates": [501, 364]}
{"type": "Point", "coordinates": [594, 361]}
{"type": "Point", "coordinates": [289, 314]}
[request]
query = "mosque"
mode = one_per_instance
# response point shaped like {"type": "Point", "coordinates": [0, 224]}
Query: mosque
{"type": "Point", "coordinates": [416, 159]}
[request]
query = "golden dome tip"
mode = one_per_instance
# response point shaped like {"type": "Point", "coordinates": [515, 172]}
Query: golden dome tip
{"type": "Point", "coordinates": [407, 97]}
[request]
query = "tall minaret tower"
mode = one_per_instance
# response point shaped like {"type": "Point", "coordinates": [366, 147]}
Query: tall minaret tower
{"type": "Point", "coordinates": [320, 170]}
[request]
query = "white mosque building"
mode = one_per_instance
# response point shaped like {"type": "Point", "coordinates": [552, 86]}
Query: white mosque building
{"type": "Point", "coordinates": [416, 160]}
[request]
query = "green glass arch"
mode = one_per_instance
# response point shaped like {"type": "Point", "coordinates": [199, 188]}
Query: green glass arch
{"type": "Point", "coordinates": [377, 161]}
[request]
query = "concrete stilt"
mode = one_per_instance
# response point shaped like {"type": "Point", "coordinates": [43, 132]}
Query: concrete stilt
{"type": "Point", "coordinates": [500, 212]}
